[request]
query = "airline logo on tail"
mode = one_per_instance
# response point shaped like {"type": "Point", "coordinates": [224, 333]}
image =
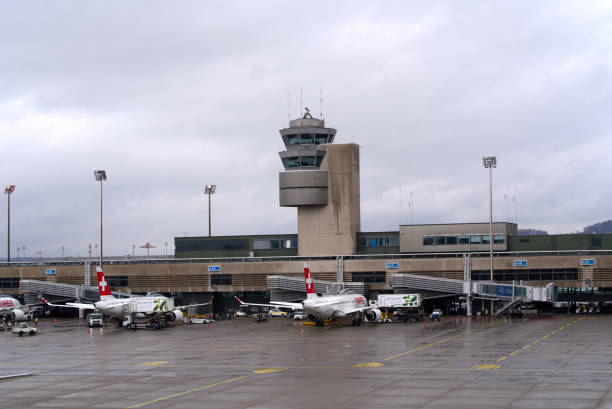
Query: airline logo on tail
{"type": "Point", "coordinates": [103, 284]}
{"type": "Point", "coordinates": [310, 288]}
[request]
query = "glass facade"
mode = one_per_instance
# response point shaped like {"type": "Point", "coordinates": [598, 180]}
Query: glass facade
{"type": "Point", "coordinates": [266, 244]}
{"type": "Point", "coordinates": [302, 161]}
{"type": "Point", "coordinates": [221, 279]}
{"type": "Point", "coordinates": [117, 281]}
{"type": "Point", "coordinates": [9, 282]}
{"type": "Point", "coordinates": [378, 241]}
{"type": "Point", "coordinates": [369, 277]}
{"type": "Point", "coordinates": [526, 275]}
{"type": "Point", "coordinates": [307, 139]}
{"type": "Point", "coordinates": [451, 240]}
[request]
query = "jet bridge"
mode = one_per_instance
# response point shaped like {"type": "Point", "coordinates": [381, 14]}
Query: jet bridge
{"type": "Point", "coordinates": [283, 288]}
{"type": "Point", "coordinates": [67, 291]}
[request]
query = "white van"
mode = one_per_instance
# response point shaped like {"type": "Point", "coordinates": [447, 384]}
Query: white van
{"type": "Point", "coordinates": [94, 319]}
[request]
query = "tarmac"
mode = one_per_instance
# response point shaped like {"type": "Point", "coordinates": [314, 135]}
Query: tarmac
{"type": "Point", "coordinates": [545, 361]}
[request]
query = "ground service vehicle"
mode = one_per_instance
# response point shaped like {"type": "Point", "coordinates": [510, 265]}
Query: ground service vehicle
{"type": "Point", "coordinates": [300, 316]}
{"type": "Point", "coordinates": [260, 317]}
{"type": "Point", "coordinates": [274, 312]}
{"type": "Point", "coordinates": [435, 315]}
{"type": "Point", "coordinates": [94, 320]}
{"type": "Point", "coordinates": [23, 328]}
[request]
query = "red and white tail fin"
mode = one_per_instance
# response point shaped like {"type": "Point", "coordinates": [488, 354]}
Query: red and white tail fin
{"type": "Point", "coordinates": [310, 288]}
{"type": "Point", "coordinates": [105, 292]}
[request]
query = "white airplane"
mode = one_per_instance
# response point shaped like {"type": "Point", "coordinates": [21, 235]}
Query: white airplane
{"type": "Point", "coordinates": [12, 310]}
{"type": "Point", "coordinates": [150, 307]}
{"type": "Point", "coordinates": [347, 304]}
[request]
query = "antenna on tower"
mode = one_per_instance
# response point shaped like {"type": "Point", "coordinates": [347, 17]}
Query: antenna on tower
{"type": "Point", "coordinates": [321, 103]}
{"type": "Point", "coordinates": [289, 105]}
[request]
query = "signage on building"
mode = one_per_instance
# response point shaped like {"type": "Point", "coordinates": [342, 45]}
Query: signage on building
{"type": "Point", "coordinates": [587, 261]}
{"type": "Point", "coordinates": [212, 269]}
{"type": "Point", "coordinates": [520, 263]}
{"type": "Point", "coordinates": [392, 265]}
{"type": "Point", "coordinates": [50, 271]}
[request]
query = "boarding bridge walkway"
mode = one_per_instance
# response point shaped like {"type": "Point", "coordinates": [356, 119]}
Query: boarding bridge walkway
{"type": "Point", "coordinates": [64, 291]}
{"type": "Point", "coordinates": [283, 288]}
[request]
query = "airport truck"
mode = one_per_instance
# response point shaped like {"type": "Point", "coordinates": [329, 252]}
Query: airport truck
{"type": "Point", "coordinates": [399, 300]}
{"type": "Point", "coordinates": [23, 328]}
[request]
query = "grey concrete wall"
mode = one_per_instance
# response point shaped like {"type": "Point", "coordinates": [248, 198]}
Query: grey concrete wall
{"type": "Point", "coordinates": [332, 229]}
{"type": "Point", "coordinates": [303, 187]}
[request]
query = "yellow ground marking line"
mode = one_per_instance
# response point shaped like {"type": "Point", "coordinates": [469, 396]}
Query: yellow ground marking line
{"type": "Point", "coordinates": [485, 367]}
{"type": "Point", "coordinates": [269, 370]}
{"type": "Point", "coordinates": [529, 345]}
{"type": "Point", "coordinates": [154, 363]}
{"type": "Point", "coordinates": [430, 345]}
{"type": "Point", "coordinates": [368, 365]}
{"type": "Point", "coordinates": [184, 393]}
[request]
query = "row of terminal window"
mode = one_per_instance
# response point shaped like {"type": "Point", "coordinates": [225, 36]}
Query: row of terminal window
{"type": "Point", "coordinates": [386, 241]}
{"type": "Point", "coordinates": [9, 282]}
{"type": "Point", "coordinates": [308, 139]}
{"type": "Point", "coordinates": [544, 274]}
{"type": "Point", "coordinates": [302, 161]}
{"type": "Point", "coordinates": [221, 279]}
{"type": "Point", "coordinates": [266, 244]}
{"type": "Point", "coordinates": [462, 239]}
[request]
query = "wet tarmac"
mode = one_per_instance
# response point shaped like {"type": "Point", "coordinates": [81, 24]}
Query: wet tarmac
{"type": "Point", "coordinates": [551, 361]}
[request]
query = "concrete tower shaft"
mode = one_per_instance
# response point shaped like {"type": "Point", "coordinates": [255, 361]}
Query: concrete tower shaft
{"type": "Point", "coordinates": [322, 181]}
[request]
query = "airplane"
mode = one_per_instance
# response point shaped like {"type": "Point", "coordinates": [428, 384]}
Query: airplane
{"type": "Point", "coordinates": [347, 304]}
{"type": "Point", "coordinates": [156, 308]}
{"type": "Point", "coordinates": [12, 310]}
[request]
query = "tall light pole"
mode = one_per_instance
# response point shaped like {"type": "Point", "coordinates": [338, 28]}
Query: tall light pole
{"type": "Point", "coordinates": [9, 189]}
{"type": "Point", "coordinates": [490, 162]}
{"type": "Point", "coordinates": [209, 190]}
{"type": "Point", "coordinates": [100, 176]}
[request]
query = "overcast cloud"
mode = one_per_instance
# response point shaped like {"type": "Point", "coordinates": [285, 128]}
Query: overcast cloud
{"type": "Point", "coordinates": [169, 96]}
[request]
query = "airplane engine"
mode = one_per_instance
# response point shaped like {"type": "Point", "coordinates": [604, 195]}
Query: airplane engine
{"type": "Point", "coordinates": [373, 315]}
{"type": "Point", "coordinates": [175, 315]}
{"type": "Point", "coordinates": [17, 315]}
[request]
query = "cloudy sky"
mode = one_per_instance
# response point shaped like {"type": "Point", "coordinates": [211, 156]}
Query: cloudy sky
{"type": "Point", "coordinates": [169, 96]}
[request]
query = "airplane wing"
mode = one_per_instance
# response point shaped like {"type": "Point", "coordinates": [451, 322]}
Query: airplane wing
{"type": "Point", "coordinates": [182, 307]}
{"type": "Point", "coordinates": [292, 305]}
{"type": "Point", "coordinates": [82, 306]}
{"type": "Point", "coordinates": [78, 305]}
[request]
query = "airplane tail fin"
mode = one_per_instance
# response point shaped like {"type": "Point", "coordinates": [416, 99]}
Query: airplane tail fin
{"type": "Point", "coordinates": [310, 288]}
{"type": "Point", "coordinates": [105, 292]}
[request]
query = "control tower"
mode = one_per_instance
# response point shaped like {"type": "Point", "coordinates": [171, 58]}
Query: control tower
{"type": "Point", "coordinates": [322, 181]}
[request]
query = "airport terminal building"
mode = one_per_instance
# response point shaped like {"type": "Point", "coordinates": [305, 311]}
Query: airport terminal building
{"type": "Point", "coordinates": [321, 179]}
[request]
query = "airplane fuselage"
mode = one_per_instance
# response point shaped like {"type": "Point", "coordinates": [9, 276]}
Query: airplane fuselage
{"type": "Point", "coordinates": [335, 306]}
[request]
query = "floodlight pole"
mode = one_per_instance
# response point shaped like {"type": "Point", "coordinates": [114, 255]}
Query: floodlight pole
{"type": "Point", "coordinates": [209, 190]}
{"type": "Point", "coordinates": [9, 189]}
{"type": "Point", "coordinates": [100, 175]}
{"type": "Point", "coordinates": [209, 226]}
{"type": "Point", "coordinates": [490, 162]}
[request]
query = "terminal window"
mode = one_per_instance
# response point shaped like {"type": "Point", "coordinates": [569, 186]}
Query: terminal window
{"type": "Point", "coordinates": [378, 241]}
{"type": "Point", "coordinates": [369, 277]}
{"type": "Point", "coordinates": [267, 244]}
{"type": "Point", "coordinates": [451, 240]}
{"type": "Point", "coordinates": [117, 281]}
{"type": "Point", "coordinates": [221, 279]}
{"type": "Point", "coordinates": [9, 282]}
